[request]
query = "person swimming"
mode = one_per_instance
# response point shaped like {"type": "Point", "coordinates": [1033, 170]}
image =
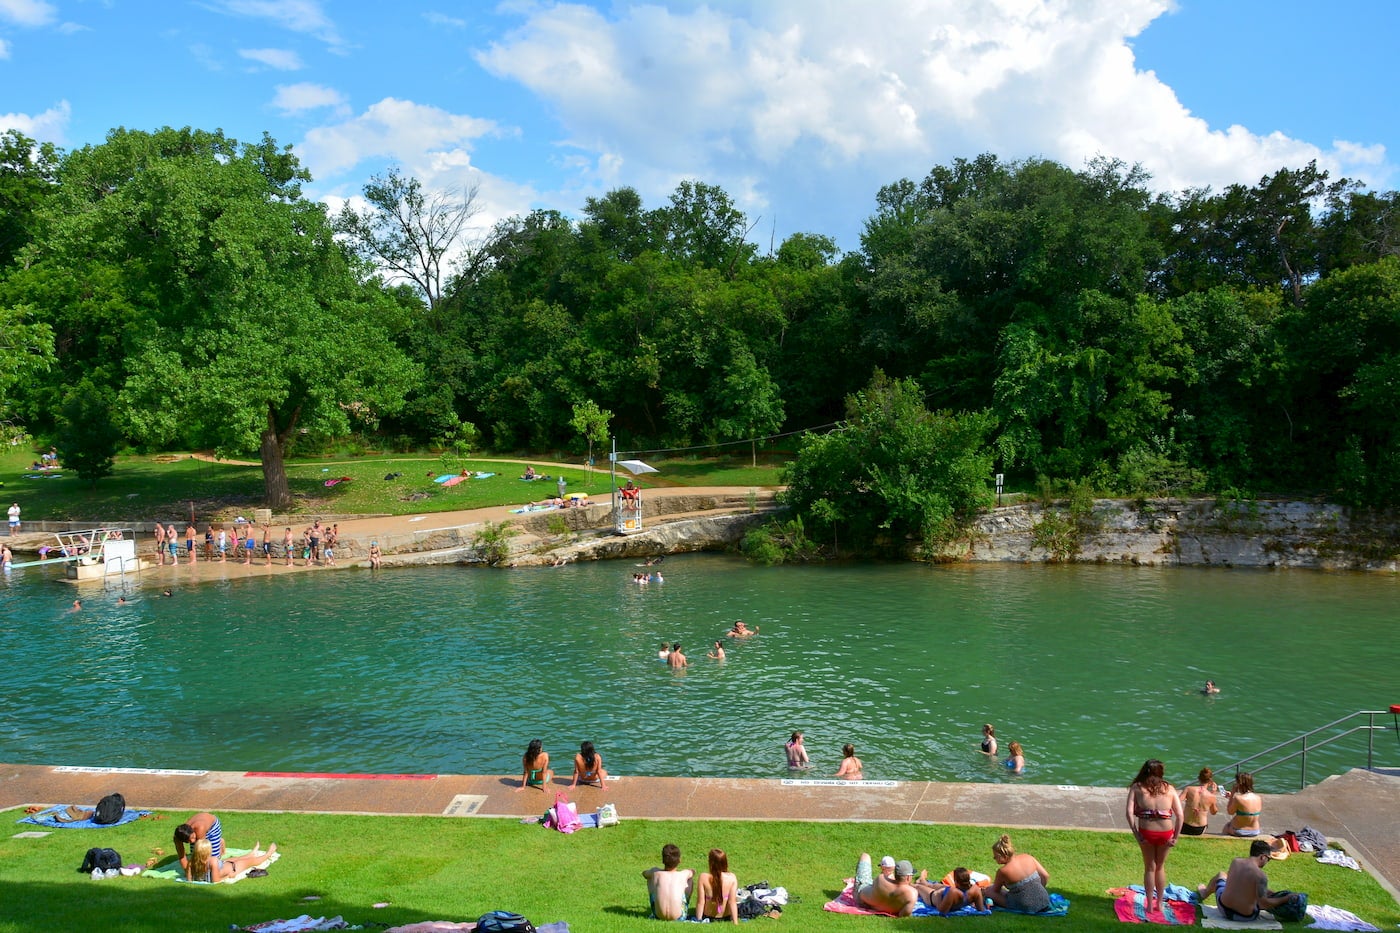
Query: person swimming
{"type": "Point", "coordinates": [1210, 688]}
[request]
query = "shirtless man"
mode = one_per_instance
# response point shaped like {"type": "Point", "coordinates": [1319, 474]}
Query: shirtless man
{"type": "Point", "coordinates": [892, 895]}
{"type": "Point", "coordinates": [287, 545]}
{"type": "Point", "coordinates": [200, 826]}
{"type": "Point", "coordinates": [740, 630]}
{"type": "Point", "coordinates": [669, 885]}
{"type": "Point", "coordinates": [1243, 890]}
{"type": "Point", "coordinates": [676, 659]}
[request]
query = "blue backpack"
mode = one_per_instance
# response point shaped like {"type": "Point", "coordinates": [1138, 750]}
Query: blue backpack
{"type": "Point", "coordinates": [503, 921]}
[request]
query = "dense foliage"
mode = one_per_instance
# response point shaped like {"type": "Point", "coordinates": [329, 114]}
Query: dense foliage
{"type": "Point", "coordinates": [1073, 322]}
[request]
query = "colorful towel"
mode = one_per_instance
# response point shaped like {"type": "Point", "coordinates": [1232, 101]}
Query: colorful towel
{"type": "Point", "coordinates": [1059, 907]}
{"type": "Point", "coordinates": [1131, 907]}
{"type": "Point", "coordinates": [46, 818]}
{"type": "Point", "coordinates": [454, 481]}
{"type": "Point", "coordinates": [444, 477]}
{"type": "Point", "coordinates": [1213, 919]}
{"type": "Point", "coordinates": [171, 870]}
{"type": "Point", "coordinates": [845, 903]}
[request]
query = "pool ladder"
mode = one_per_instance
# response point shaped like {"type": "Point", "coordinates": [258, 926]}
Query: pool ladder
{"type": "Point", "coordinates": [1308, 742]}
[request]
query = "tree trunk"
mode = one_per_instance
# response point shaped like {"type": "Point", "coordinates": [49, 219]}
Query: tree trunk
{"type": "Point", "coordinates": [275, 489]}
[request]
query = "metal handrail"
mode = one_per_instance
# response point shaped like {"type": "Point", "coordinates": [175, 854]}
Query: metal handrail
{"type": "Point", "coordinates": [1370, 728]}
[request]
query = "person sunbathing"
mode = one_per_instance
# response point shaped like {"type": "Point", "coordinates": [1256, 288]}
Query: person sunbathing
{"type": "Point", "coordinates": [204, 866]}
{"type": "Point", "coordinates": [946, 898]}
{"type": "Point", "coordinates": [888, 893]}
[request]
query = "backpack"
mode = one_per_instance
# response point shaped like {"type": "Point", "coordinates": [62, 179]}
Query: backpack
{"type": "Point", "coordinates": [110, 809]}
{"type": "Point", "coordinates": [100, 859]}
{"type": "Point", "coordinates": [1292, 910]}
{"type": "Point", "coordinates": [503, 921]}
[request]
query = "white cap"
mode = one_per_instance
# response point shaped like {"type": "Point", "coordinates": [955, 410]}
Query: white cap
{"type": "Point", "coordinates": [887, 862]}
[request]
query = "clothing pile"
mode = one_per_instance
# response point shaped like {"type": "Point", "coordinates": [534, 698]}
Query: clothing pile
{"type": "Point", "coordinates": [761, 900]}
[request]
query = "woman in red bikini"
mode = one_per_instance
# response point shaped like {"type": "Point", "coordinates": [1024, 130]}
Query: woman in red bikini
{"type": "Point", "coordinates": [1155, 816]}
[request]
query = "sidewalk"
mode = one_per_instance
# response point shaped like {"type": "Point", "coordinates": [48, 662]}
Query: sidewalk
{"type": "Point", "coordinates": [1360, 807]}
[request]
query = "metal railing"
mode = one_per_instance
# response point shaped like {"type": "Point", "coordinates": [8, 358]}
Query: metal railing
{"type": "Point", "coordinates": [1307, 742]}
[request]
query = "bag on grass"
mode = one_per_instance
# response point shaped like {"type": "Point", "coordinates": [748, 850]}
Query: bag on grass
{"type": "Point", "coordinates": [110, 809]}
{"type": "Point", "coordinates": [1292, 910]}
{"type": "Point", "coordinates": [607, 815]}
{"type": "Point", "coordinates": [100, 859]}
{"type": "Point", "coordinates": [503, 921]}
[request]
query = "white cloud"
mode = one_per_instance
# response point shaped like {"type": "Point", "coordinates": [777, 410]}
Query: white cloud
{"type": "Point", "coordinates": [442, 19]}
{"type": "Point", "coordinates": [28, 12]}
{"type": "Point", "coordinates": [301, 16]}
{"type": "Point", "coordinates": [784, 96]}
{"type": "Point", "coordinates": [49, 126]}
{"type": "Point", "coordinates": [279, 59]}
{"type": "Point", "coordinates": [4, 49]}
{"type": "Point", "coordinates": [428, 143]}
{"type": "Point", "coordinates": [299, 98]}
{"type": "Point", "coordinates": [71, 28]}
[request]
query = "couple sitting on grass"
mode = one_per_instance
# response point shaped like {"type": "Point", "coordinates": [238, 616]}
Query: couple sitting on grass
{"type": "Point", "coordinates": [1019, 885]}
{"type": "Point", "coordinates": [670, 887]}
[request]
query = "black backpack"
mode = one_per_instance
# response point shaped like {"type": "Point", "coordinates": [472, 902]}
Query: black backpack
{"type": "Point", "coordinates": [110, 809]}
{"type": "Point", "coordinates": [503, 921]}
{"type": "Point", "coordinates": [101, 859]}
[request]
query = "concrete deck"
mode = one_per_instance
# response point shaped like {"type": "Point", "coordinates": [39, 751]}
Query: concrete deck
{"type": "Point", "coordinates": [1361, 807]}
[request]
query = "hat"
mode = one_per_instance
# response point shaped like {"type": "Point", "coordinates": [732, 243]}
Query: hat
{"type": "Point", "coordinates": [887, 862]}
{"type": "Point", "coordinates": [904, 868]}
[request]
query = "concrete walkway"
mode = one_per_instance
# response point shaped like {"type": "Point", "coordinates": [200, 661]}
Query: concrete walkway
{"type": "Point", "coordinates": [1361, 807]}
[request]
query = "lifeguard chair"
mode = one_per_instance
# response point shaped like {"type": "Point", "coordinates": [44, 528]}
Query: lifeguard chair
{"type": "Point", "coordinates": [627, 502]}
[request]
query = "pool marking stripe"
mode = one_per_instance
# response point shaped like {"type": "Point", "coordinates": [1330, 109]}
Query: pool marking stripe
{"type": "Point", "coordinates": [341, 777]}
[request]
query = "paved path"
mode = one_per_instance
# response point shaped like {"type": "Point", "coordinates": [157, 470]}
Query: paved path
{"type": "Point", "coordinates": [1361, 807]}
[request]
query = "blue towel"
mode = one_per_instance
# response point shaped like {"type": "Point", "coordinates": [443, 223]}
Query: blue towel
{"type": "Point", "coordinates": [444, 477]}
{"type": "Point", "coordinates": [482, 475]}
{"type": "Point", "coordinates": [1174, 892]}
{"type": "Point", "coordinates": [967, 910]}
{"type": "Point", "coordinates": [46, 818]}
{"type": "Point", "coordinates": [1059, 907]}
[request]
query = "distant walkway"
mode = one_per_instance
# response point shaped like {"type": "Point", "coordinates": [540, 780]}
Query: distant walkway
{"type": "Point", "coordinates": [1361, 807]}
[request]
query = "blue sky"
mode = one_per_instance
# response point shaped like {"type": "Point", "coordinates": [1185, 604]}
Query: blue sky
{"type": "Point", "coordinates": [800, 109]}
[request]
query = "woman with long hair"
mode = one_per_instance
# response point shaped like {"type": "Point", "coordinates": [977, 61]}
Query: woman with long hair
{"type": "Point", "coordinates": [1155, 816]}
{"type": "Point", "coordinates": [1198, 803]}
{"type": "Point", "coordinates": [797, 753]}
{"type": "Point", "coordinates": [588, 767]}
{"type": "Point", "coordinates": [535, 767]}
{"type": "Point", "coordinates": [1017, 761]}
{"type": "Point", "coordinates": [204, 866]}
{"type": "Point", "coordinates": [989, 739]}
{"type": "Point", "coordinates": [1244, 807]}
{"type": "Point", "coordinates": [719, 890]}
{"type": "Point", "coordinates": [851, 768]}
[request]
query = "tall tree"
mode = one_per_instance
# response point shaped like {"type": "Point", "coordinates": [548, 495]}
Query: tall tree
{"type": "Point", "coordinates": [247, 324]}
{"type": "Point", "coordinates": [409, 232]}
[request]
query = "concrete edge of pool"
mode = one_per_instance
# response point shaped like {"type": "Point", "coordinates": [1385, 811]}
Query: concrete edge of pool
{"type": "Point", "coordinates": [1361, 807]}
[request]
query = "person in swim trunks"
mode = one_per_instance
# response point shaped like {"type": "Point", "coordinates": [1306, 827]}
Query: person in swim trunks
{"type": "Point", "coordinates": [1155, 817]}
{"type": "Point", "coordinates": [1243, 890]}
{"type": "Point", "coordinates": [200, 826]}
{"type": "Point", "coordinates": [1020, 882]}
{"type": "Point", "coordinates": [889, 892]}
{"type": "Point", "coordinates": [670, 885]}
{"type": "Point", "coordinates": [1244, 807]}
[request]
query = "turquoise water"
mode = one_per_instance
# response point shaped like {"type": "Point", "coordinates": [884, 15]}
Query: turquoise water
{"type": "Point", "coordinates": [448, 670]}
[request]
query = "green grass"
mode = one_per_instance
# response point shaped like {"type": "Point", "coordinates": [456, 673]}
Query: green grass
{"type": "Point", "coordinates": [146, 487]}
{"type": "Point", "coordinates": [430, 868]}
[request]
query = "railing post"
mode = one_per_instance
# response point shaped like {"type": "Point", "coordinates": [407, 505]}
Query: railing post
{"type": "Point", "coordinates": [1370, 740]}
{"type": "Point", "coordinates": [1303, 775]}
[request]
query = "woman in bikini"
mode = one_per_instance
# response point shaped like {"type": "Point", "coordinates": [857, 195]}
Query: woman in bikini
{"type": "Point", "coordinates": [851, 768]}
{"type": "Point", "coordinates": [204, 866]}
{"type": "Point", "coordinates": [797, 753]}
{"type": "Point", "coordinates": [1155, 816]}
{"type": "Point", "coordinates": [1244, 807]}
{"type": "Point", "coordinates": [719, 889]}
{"type": "Point", "coordinates": [535, 767]}
{"type": "Point", "coordinates": [1198, 801]}
{"type": "Point", "coordinates": [588, 767]}
{"type": "Point", "coordinates": [1017, 761]}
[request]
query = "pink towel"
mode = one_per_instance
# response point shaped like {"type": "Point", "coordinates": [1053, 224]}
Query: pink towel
{"type": "Point", "coordinates": [1132, 908]}
{"type": "Point", "coordinates": [845, 903]}
{"type": "Point", "coordinates": [454, 480]}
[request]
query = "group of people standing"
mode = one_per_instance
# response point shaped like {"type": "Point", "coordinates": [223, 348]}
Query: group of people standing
{"type": "Point", "coordinates": [317, 543]}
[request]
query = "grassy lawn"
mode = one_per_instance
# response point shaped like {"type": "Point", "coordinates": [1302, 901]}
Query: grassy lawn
{"type": "Point", "coordinates": [430, 868]}
{"type": "Point", "coordinates": [146, 487]}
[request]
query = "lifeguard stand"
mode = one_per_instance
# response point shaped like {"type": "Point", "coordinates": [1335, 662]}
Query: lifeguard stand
{"type": "Point", "coordinates": [627, 509]}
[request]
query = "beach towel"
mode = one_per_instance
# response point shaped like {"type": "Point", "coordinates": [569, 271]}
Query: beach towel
{"type": "Point", "coordinates": [1059, 907]}
{"type": "Point", "coordinates": [534, 508]}
{"type": "Point", "coordinates": [845, 903]}
{"type": "Point", "coordinates": [1131, 907]}
{"type": "Point", "coordinates": [337, 482]}
{"type": "Point", "coordinates": [454, 481]}
{"type": "Point", "coordinates": [303, 924]}
{"type": "Point", "coordinates": [50, 819]}
{"type": "Point", "coordinates": [444, 477]}
{"type": "Point", "coordinates": [171, 870]}
{"type": "Point", "coordinates": [1325, 917]}
{"type": "Point", "coordinates": [482, 475]}
{"type": "Point", "coordinates": [1213, 919]}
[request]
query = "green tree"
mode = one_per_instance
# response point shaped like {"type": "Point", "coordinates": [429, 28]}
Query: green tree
{"type": "Point", "coordinates": [87, 435]}
{"type": "Point", "coordinates": [591, 422]}
{"type": "Point", "coordinates": [893, 474]}
{"type": "Point", "coordinates": [28, 173]}
{"type": "Point", "coordinates": [247, 324]}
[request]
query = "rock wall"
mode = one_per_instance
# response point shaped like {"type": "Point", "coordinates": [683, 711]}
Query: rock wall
{"type": "Point", "coordinates": [1188, 532]}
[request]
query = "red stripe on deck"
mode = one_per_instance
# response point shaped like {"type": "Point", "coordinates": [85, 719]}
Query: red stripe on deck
{"type": "Point", "coordinates": [342, 777]}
